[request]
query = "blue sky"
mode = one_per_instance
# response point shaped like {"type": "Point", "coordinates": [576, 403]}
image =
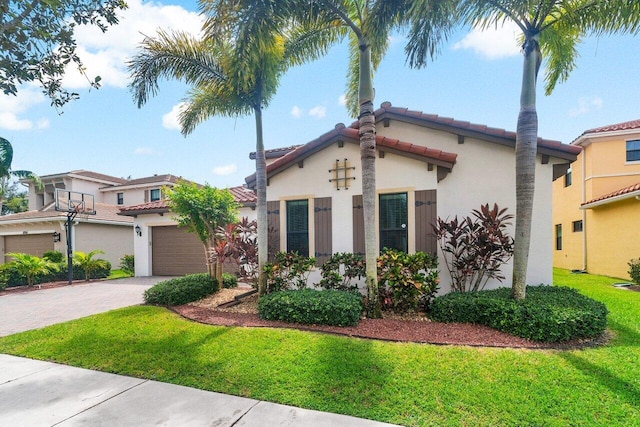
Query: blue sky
{"type": "Point", "coordinates": [476, 78]}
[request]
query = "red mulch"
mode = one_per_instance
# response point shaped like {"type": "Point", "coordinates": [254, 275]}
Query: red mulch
{"type": "Point", "coordinates": [419, 331]}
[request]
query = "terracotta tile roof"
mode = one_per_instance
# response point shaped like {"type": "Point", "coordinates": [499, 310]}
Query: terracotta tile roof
{"type": "Point", "coordinates": [274, 153]}
{"type": "Point", "coordinates": [104, 212]}
{"type": "Point", "coordinates": [463, 128]}
{"type": "Point", "coordinates": [618, 194]}
{"type": "Point", "coordinates": [241, 194]}
{"type": "Point", "coordinates": [630, 125]}
{"type": "Point", "coordinates": [86, 174]}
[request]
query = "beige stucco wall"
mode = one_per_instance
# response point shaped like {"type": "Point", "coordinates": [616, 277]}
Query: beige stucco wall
{"type": "Point", "coordinates": [48, 228]}
{"type": "Point", "coordinates": [115, 241]}
{"type": "Point", "coordinates": [484, 173]}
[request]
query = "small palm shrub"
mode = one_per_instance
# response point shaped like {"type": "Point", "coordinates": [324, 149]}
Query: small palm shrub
{"type": "Point", "coordinates": [181, 290]}
{"type": "Point", "coordinates": [31, 266]}
{"type": "Point", "coordinates": [87, 263]}
{"type": "Point", "coordinates": [310, 306]}
{"type": "Point", "coordinates": [548, 314]}
{"type": "Point", "coordinates": [339, 271]}
{"type": "Point", "coordinates": [54, 256]}
{"type": "Point", "coordinates": [634, 270]}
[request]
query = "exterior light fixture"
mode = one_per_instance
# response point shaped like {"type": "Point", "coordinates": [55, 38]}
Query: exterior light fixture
{"type": "Point", "coordinates": [138, 230]}
{"type": "Point", "coordinates": [56, 237]}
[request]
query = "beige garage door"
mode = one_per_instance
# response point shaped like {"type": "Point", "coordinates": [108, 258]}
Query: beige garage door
{"type": "Point", "coordinates": [176, 252]}
{"type": "Point", "coordinates": [32, 244]}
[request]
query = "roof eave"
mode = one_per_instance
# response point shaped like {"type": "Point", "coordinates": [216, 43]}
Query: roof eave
{"type": "Point", "coordinates": [609, 200]}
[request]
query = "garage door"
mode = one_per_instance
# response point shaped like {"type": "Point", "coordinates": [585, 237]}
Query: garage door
{"type": "Point", "coordinates": [176, 252]}
{"type": "Point", "coordinates": [32, 244]}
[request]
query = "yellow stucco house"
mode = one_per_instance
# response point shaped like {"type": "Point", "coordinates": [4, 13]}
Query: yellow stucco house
{"type": "Point", "coordinates": [596, 204]}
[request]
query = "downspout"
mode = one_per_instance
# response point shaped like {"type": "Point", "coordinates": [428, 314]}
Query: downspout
{"type": "Point", "coordinates": [584, 212]}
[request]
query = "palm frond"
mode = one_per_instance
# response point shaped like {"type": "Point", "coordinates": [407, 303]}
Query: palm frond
{"type": "Point", "coordinates": [6, 157]}
{"type": "Point", "coordinates": [558, 45]}
{"type": "Point", "coordinates": [431, 25]}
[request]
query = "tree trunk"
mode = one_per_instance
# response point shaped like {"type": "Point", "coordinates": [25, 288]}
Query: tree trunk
{"type": "Point", "coordinates": [261, 190]}
{"type": "Point", "coordinates": [526, 149]}
{"type": "Point", "coordinates": [367, 123]}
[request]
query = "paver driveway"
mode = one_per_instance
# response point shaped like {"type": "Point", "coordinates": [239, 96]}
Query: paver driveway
{"type": "Point", "coordinates": [32, 310]}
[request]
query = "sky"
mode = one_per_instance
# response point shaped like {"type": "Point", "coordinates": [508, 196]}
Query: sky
{"type": "Point", "coordinates": [476, 78]}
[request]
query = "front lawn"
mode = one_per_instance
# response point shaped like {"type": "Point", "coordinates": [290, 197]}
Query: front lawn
{"type": "Point", "coordinates": [409, 384]}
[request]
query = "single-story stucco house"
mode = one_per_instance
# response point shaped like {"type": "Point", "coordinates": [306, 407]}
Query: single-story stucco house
{"type": "Point", "coordinates": [427, 166]}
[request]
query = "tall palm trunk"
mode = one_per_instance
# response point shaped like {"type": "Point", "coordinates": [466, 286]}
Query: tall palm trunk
{"type": "Point", "coordinates": [526, 149]}
{"type": "Point", "coordinates": [367, 122]}
{"type": "Point", "coordinates": [261, 192]}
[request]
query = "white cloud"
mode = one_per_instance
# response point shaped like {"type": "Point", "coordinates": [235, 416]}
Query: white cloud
{"type": "Point", "coordinates": [11, 108]}
{"type": "Point", "coordinates": [105, 54]}
{"type": "Point", "coordinates": [146, 151]}
{"type": "Point", "coordinates": [586, 105]}
{"type": "Point", "coordinates": [225, 170]}
{"type": "Point", "coordinates": [170, 120]}
{"type": "Point", "coordinates": [318, 112]}
{"type": "Point", "coordinates": [342, 100]}
{"type": "Point", "coordinates": [42, 124]}
{"type": "Point", "coordinates": [296, 112]}
{"type": "Point", "coordinates": [492, 43]}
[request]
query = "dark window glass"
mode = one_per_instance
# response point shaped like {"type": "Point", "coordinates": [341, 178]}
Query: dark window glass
{"type": "Point", "coordinates": [633, 150]}
{"type": "Point", "coordinates": [568, 178]}
{"type": "Point", "coordinates": [120, 197]}
{"type": "Point", "coordinates": [154, 195]}
{"type": "Point", "coordinates": [577, 226]}
{"type": "Point", "coordinates": [558, 237]}
{"type": "Point", "coordinates": [298, 226]}
{"type": "Point", "coordinates": [393, 221]}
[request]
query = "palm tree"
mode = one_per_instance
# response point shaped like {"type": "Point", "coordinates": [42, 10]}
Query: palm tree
{"type": "Point", "coordinates": [31, 266]}
{"type": "Point", "coordinates": [367, 25]}
{"type": "Point", "coordinates": [6, 173]}
{"type": "Point", "coordinates": [551, 29]}
{"type": "Point", "coordinates": [226, 80]}
{"type": "Point", "coordinates": [87, 263]}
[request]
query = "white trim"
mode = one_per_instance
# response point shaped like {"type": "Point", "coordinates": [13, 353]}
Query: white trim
{"type": "Point", "coordinates": [586, 139]}
{"type": "Point", "coordinates": [614, 175]}
{"type": "Point", "coordinates": [27, 233]}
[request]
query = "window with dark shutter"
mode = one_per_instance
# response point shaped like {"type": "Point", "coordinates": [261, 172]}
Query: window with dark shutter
{"type": "Point", "coordinates": [393, 221]}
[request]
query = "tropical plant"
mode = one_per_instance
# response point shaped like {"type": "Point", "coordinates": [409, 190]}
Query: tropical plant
{"type": "Point", "coordinates": [127, 264]}
{"type": "Point", "coordinates": [241, 246]}
{"type": "Point", "coordinates": [339, 271]}
{"type": "Point", "coordinates": [30, 266]}
{"type": "Point", "coordinates": [38, 43]}
{"type": "Point", "coordinates": [6, 173]}
{"type": "Point", "coordinates": [475, 247]}
{"type": "Point", "coordinates": [88, 263]}
{"type": "Point", "coordinates": [551, 29]}
{"type": "Point", "coordinates": [227, 79]}
{"type": "Point", "coordinates": [367, 24]}
{"type": "Point", "coordinates": [201, 210]}
{"type": "Point", "coordinates": [289, 270]}
{"type": "Point", "coordinates": [634, 270]}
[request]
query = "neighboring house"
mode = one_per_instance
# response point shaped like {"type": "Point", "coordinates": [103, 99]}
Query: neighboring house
{"type": "Point", "coordinates": [427, 167]}
{"type": "Point", "coordinates": [33, 231]}
{"type": "Point", "coordinates": [596, 205]}
{"type": "Point", "coordinates": [161, 248]}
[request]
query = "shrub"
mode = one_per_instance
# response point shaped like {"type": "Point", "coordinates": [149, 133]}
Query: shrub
{"type": "Point", "coordinates": [634, 270]}
{"type": "Point", "coordinates": [31, 266]}
{"type": "Point", "coordinates": [406, 282]}
{"type": "Point", "coordinates": [127, 264]}
{"type": "Point", "coordinates": [549, 314]}
{"type": "Point", "coordinates": [339, 271]}
{"type": "Point", "coordinates": [310, 306]}
{"type": "Point", "coordinates": [54, 256]}
{"type": "Point", "coordinates": [290, 269]}
{"type": "Point", "coordinates": [475, 248]}
{"type": "Point", "coordinates": [10, 276]}
{"type": "Point", "coordinates": [229, 280]}
{"type": "Point", "coordinates": [181, 290]}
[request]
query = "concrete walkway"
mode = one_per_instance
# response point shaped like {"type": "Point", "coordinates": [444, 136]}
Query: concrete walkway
{"type": "Point", "coordinates": [38, 393]}
{"type": "Point", "coordinates": [36, 309]}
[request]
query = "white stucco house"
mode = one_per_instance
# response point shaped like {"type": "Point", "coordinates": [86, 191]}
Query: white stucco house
{"type": "Point", "coordinates": [42, 228]}
{"type": "Point", "coordinates": [426, 167]}
{"type": "Point", "coordinates": [161, 248]}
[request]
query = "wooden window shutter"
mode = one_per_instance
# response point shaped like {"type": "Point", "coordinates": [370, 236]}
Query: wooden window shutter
{"type": "Point", "coordinates": [146, 196]}
{"type": "Point", "coordinates": [426, 215]}
{"type": "Point", "coordinates": [273, 226]}
{"type": "Point", "coordinates": [358, 226]}
{"type": "Point", "coordinates": [322, 227]}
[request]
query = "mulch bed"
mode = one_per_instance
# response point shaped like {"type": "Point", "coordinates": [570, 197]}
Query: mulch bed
{"type": "Point", "coordinates": [419, 331]}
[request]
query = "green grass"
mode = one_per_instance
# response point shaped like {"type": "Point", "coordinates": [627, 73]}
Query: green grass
{"type": "Point", "coordinates": [118, 274]}
{"type": "Point", "coordinates": [409, 384]}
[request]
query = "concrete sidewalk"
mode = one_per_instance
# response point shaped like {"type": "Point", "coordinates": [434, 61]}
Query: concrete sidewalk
{"type": "Point", "coordinates": [38, 393]}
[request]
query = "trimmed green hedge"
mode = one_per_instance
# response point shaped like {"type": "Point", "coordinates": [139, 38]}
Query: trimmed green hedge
{"type": "Point", "coordinates": [548, 314]}
{"type": "Point", "coordinates": [310, 306]}
{"type": "Point", "coordinates": [181, 290]}
{"type": "Point", "coordinates": [229, 280]}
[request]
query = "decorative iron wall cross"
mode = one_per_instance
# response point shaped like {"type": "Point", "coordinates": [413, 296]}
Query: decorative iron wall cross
{"type": "Point", "coordinates": [341, 174]}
